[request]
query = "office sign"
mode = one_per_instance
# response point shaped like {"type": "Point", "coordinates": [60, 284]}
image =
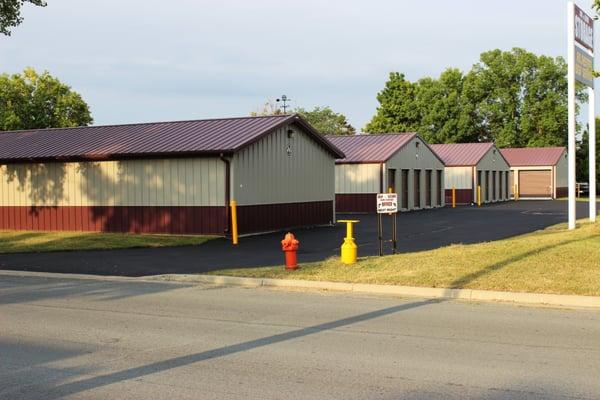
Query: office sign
{"type": "Point", "coordinates": [584, 67]}
{"type": "Point", "coordinates": [387, 203]}
{"type": "Point", "coordinates": [584, 29]}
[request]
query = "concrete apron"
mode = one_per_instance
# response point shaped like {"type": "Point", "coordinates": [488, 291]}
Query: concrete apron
{"type": "Point", "coordinates": [470, 295]}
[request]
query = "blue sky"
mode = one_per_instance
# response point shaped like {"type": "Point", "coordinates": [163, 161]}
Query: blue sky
{"type": "Point", "coordinates": [151, 60]}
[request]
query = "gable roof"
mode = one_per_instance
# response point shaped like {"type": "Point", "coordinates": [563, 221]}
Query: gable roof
{"type": "Point", "coordinates": [369, 148]}
{"type": "Point", "coordinates": [461, 154]}
{"type": "Point", "coordinates": [157, 139]}
{"type": "Point", "coordinates": [533, 156]}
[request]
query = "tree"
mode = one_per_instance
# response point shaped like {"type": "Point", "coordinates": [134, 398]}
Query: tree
{"type": "Point", "coordinates": [397, 111]}
{"type": "Point", "coordinates": [519, 99]}
{"type": "Point", "coordinates": [514, 98]}
{"type": "Point", "coordinates": [435, 108]}
{"type": "Point", "coordinates": [33, 101]}
{"type": "Point", "coordinates": [445, 115]}
{"type": "Point", "coordinates": [10, 13]}
{"type": "Point", "coordinates": [326, 121]}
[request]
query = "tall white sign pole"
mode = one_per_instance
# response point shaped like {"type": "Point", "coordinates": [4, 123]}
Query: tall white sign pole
{"type": "Point", "coordinates": [571, 109]}
{"type": "Point", "coordinates": [592, 153]}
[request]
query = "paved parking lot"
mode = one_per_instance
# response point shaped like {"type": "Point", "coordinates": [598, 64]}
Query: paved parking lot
{"type": "Point", "coordinates": [420, 230]}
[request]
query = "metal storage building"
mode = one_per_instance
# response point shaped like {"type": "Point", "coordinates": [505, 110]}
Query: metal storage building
{"type": "Point", "coordinates": [538, 172]}
{"type": "Point", "coordinates": [168, 177]}
{"type": "Point", "coordinates": [376, 162]}
{"type": "Point", "coordinates": [472, 164]}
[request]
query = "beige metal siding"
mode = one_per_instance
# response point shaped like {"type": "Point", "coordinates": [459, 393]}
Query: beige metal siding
{"type": "Point", "coordinates": [264, 173]}
{"type": "Point", "coordinates": [357, 178]}
{"type": "Point", "coordinates": [413, 156]}
{"type": "Point", "coordinates": [160, 182]}
{"type": "Point", "coordinates": [458, 177]}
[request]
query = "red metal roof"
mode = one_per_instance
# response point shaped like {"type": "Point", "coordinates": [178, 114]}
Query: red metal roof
{"type": "Point", "coordinates": [209, 136]}
{"type": "Point", "coordinates": [533, 156]}
{"type": "Point", "coordinates": [369, 148]}
{"type": "Point", "coordinates": [461, 154]}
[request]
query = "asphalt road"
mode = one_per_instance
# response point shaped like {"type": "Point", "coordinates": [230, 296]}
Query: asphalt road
{"type": "Point", "coordinates": [420, 230]}
{"type": "Point", "coordinates": [75, 339]}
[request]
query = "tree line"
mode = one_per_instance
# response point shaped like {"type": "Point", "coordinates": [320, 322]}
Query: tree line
{"type": "Point", "coordinates": [513, 98]}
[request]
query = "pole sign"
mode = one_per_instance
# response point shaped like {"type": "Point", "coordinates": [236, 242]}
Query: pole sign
{"type": "Point", "coordinates": [584, 29]}
{"type": "Point", "coordinates": [580, 51]}
{"type": "Point", "coordinates": [584, 67]}
{"type": "Point", "coordinates": [387, 203]}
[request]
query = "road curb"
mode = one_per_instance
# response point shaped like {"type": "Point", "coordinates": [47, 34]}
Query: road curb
{"type": "Point", "coordinates": [471, 295]}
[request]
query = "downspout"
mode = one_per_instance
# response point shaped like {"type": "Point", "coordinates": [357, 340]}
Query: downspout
{"type": "Point", "coordinates": [381, 167]}
{"type": "Point", "coordinates": [227, 162]}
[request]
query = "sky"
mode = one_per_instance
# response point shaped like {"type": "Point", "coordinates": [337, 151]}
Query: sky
{"type": "Point", "coordinates": [156, 60]}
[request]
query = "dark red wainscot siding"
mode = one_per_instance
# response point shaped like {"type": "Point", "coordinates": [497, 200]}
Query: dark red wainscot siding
{"type": "Point", "coordinates": [271, 217]}
{"type": "Point", "coordinates": [356, 202]}
{"type": "Point", "coordinates": [185, 220]}
{"type": "Point", "coordinates": [562, 192]}
{"type": "Point", "coordinates": [463, 196]}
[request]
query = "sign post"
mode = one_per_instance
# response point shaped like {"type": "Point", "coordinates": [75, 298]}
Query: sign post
{"type": "Point", "coordinates": [580, 54]}
{"type": "Point", "coordinates": [387, 203]}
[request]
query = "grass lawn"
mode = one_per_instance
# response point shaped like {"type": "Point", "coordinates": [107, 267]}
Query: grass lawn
{"type": "Point", "coordinates": [553, 260]}
{"type": "Point", "coordinates": [27, 241]}
{"type": "Point", "coordinates": [586, 199]}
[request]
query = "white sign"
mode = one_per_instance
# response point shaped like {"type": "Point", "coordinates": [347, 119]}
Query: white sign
{"type": "Point", "coordinates": [387, 203]}
{"type": "Point", "coordinates": [580, 51]}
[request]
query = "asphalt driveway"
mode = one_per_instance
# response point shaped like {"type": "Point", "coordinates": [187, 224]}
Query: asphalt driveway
{"type": "Point", "coordinates": [420, 230]}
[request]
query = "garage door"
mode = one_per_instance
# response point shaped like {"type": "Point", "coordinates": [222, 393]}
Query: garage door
{"type": "Point", "coordinates": [535, 183]}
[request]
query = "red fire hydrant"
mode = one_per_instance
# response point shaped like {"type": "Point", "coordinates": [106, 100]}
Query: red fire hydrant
{"type": "Point", "coordinates": [289, 245]}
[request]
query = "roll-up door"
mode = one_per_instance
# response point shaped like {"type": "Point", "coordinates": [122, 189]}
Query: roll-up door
{"type": "Point", "coordinates": [535, 183]}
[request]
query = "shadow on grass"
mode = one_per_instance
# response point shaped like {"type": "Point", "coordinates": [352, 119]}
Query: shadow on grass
{"type": "Point", "coordinates": [465, 280]}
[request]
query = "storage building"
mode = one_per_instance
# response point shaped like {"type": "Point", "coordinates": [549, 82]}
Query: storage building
{"type": "Point", "coordinates": [168, 177]}
{"type": "Point", "coordinates": [538, 172]}
{"type": "Point", "coordinates": [375, 163]}
{"type": "Point", "coordinates": [471, 164]}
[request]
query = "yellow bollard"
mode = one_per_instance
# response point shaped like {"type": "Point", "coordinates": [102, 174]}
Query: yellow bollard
{"type": "Point", "coordinates": [453, 197]}
{"type": "Point", "coordinates": [478, 195]}
{"type": "Point", "coordinates": [234, 226]}
{"type": "Point", "coordinates": [349, 247]}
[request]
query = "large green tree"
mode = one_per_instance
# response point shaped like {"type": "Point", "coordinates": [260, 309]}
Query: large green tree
{"type": "Point", "coordinates": [519, 98]}
{"type": "Point", "coordinates": [515, 98]}
{"type": "Point", "coordinates": [327, 121]}
{"type": "Point", "coordinates": [397, 111]}
{"type": "Point", "coordinates": [10, 13]}
{"type": "Point", "coordinates": [32, 101]}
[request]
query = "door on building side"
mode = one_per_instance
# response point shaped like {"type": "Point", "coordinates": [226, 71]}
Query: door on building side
{"type": "Point", "coordinates": [487, 185]}
{"type": "Point", "coordinates": [417, 191]}
{"type": "Point", "coordinates": [391, 186]}
{"type": "Point", "coordinates": [428, 188]}
{"type": "Point", "coordinates": [494, 185]}
{"type": "Point", "coordinates": [501, 185]}
{"type": "Point", "coordinates": [404, 197]}
{"type": "Point", "coordinates": [440, 188]}
{"type": "Point", "coordinates": [535, 183]}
